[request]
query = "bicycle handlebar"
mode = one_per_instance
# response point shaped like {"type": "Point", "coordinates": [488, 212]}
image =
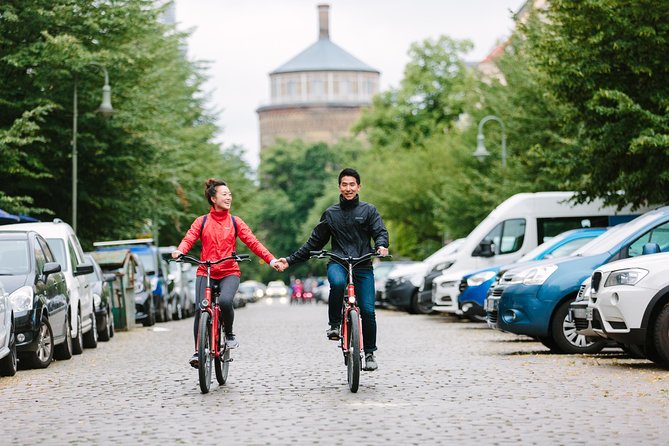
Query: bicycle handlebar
{"type": "Point", "coordinates": [190, 259]}
{"type": "Point", "coordinates": [352, 260]}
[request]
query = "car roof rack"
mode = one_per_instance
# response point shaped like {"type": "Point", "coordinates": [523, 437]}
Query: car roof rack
{"type": "Point", "coordinates": [136, 241]}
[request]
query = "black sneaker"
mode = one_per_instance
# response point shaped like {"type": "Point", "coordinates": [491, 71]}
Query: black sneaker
{"type": "Point", "coordinates": [370, 362]}
{"type": "Point", "coordinates": [194, 361]}
{"type": "Point", "coordinates": [333, 332]}
{"type": "Point", "coordinates": [231, 341]}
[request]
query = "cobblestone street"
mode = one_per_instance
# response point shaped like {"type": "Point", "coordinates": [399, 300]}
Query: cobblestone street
{"type": "Point", "coordinates": [440, 381]}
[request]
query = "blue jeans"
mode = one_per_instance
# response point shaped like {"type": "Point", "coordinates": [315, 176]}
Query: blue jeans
{"type": "Point", "coordinates": [363, 279]}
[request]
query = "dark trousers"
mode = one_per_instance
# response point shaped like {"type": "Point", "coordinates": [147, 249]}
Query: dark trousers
{"type": "Point", "coordinates": [363, 279]}
{"type": "Point", "coordinates": [228, 286]}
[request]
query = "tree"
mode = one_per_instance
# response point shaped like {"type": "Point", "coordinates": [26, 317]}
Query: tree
{"type": "Point", "coordinates": [605, 62]}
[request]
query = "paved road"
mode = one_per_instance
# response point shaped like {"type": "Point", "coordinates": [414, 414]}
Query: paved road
{"type": "Point", "coordinates": [440, 381]}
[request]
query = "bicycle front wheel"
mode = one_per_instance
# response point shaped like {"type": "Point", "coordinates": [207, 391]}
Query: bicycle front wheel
{"type": "Point", "coordinates": [222, 363]}
{"type": "Point", "coordinates": [204, 352]}
{"type": "Point", "coordinates": [353, 344]}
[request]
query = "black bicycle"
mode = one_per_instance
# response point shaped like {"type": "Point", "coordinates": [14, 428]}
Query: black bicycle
{"type": "Point", "coordinates": [350, 337]}
{"type": "Point", "coordinates": [211, 346]}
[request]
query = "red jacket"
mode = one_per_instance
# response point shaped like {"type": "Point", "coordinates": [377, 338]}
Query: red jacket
{"type": "Point", "coordinates": [218, 241]}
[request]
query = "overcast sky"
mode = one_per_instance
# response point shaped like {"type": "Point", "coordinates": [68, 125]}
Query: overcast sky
{"type": "Point", "coordinates": [245, 40]}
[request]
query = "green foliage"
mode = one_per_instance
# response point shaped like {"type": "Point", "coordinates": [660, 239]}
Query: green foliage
{"type": "Point", "coordinates": [431, 96]}
{"type": "Point", "coordinates": [606, 62]}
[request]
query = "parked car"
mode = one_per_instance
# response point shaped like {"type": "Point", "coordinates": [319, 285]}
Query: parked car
{"type": "Point", "coordinates": [322, 290]}
{"type": "Point", "coordinates": [252, 290]}
{"type": "Point", "coordinates": [404, 282]}
{"type": "Point", "coordinates": [381, 272]}
{"type": "Point", "coordinates": [68, 253]}
{"type": "Point", "coordinates": [629, 303]}
{"type": "Point", "coordinates": [184, 304]}
{"type": "Point", "coordinates": [473, 287]}
{"type": "Point", "coordinates": [39, 298]}
{"type": "Point", "coordinates": [155, 270]}
{"type": "Point", "coordinates": [7, 334]}
{"type": "Point", "coordinates": [102, 300]}
{"type": "Point", "coordinates": [534, 299]}
{"type": "Point", "coordinates": [277, 288]}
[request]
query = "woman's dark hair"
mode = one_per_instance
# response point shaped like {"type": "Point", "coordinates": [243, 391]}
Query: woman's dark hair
{"type": "Point", "coordinates": [210, 188]}
{"type": "Point", "coordinates": [348, 172]}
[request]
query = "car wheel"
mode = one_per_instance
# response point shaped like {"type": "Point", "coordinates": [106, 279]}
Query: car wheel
{"type": "Point", "coordinates": [151, 315]}
{"type": "Point", "coordinates": [104, 334]}
{"type": "Point", "coordinates": [42, 357]}
{"type": "Point", "coordinates": [661, 337]}
{"type": "Point", "coordinates": [418, 307]}
{"type": "Point", "coordinates": [565, 337]}
{"type": "Point", "coordinates": [8, 363]}
{"type": "Point", "coordinates": [64, 350]}
{"type": "Point", "coordinates": [78, 341]}
{"type": "Point", "coordinates": [91, 337]}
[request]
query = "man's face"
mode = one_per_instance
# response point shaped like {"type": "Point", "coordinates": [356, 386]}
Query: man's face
{"type": "Point", "coordinates": [349, 187]}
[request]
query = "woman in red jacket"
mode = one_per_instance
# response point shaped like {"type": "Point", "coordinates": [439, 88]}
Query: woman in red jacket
{"type": "Point", "coordinates": [218, 231]}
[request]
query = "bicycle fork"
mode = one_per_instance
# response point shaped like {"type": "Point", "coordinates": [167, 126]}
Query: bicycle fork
{"type": "Point", "coordinates": [348, 306]}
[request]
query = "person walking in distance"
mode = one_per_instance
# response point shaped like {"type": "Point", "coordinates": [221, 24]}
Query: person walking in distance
{"type": "Point", "coordinates": [218, 230]}
{"type": "Point", "coordinates": [350, 225]}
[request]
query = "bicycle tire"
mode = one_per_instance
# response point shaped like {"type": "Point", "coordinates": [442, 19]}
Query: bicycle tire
{"type": "Point", "coordinates": [204, 352]}
{"type": "Point", "coordinates": [222, 363]}
{"type": "Point", "coordinates": [353, 343]}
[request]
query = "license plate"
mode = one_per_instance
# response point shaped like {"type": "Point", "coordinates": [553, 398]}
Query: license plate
{"type": "Point", "coordinates": [489, 305]}
{"type": "Point", "coordinates": [588, 314]}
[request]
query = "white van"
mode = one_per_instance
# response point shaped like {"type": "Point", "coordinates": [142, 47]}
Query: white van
{"type": "Point", "coordinates": [516, 226]}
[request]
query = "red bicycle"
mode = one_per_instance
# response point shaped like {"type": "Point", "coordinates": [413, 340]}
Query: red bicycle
{"type": "Point", "coordinates": [211, 346]}
{"type": "Point", "coordinates": [350, 336]}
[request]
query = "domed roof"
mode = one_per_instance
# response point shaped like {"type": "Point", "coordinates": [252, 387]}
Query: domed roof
{"type": "Point", "coordinates": [324, 55]}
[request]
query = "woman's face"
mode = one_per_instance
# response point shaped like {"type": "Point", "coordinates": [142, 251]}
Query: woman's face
{"type": "Point", "coordinates": [223, 198]}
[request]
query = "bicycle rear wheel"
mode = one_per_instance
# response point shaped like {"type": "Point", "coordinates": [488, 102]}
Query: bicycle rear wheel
{"type": "Point", "coordinates": [353, 344]}
{"type": "Point", "coordinates": [204, 352]}
{"type": "Point", "coordinates": [222, 363]}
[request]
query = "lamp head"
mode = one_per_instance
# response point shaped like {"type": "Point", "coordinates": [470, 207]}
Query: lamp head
{"type": "Point", "coordinates": [481, 153]}
{"type": "Point", "coordinates": [106, 108]}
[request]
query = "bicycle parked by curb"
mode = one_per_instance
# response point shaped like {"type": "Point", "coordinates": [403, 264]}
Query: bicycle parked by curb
{"type": "Point", "coordinates": [350, 335]}
{"type": "Point", "coordinates": [211, 346]}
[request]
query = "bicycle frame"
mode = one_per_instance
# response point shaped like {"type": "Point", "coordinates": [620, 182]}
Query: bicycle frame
{"type": "Point", "coordinates": [350, 302]}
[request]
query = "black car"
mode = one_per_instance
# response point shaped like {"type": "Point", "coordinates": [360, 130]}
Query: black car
{"type": "Point", "coordinates": [102, 300]}
{"type": "Point", "coordinates": [39, 296]}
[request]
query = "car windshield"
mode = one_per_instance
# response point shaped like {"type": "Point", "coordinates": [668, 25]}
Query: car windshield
{"type": "Point", "coordinates": [58, 247]}
{"type": "Point", "coordinates": [564, 250]}
{"type": "Point", "coordinates": [616, 235]}
{"type": "Point", "coordinates": [14, 257]}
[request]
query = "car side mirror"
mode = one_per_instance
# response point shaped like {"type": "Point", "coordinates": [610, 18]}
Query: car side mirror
{"type": "Point", "coordinates": [50, 268]}
{"type": "Point", "coordinates": [83, 268]}
{"type": "Point", "coordinates": [484, 249]}
{"type": "Point", "coordinates": [650, 248]}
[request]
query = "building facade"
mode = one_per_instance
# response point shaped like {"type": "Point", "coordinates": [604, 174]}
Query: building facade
{"type": "Point", "coordinates": [317, 95]}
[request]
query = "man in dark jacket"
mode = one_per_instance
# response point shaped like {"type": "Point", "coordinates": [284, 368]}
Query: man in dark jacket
{"type": "Point", "coordinates": [350, 225]}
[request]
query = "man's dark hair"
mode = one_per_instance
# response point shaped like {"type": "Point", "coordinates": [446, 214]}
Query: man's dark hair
{"type": "Point", "coordinates": [348, 172]}
{"type": "Point", "coordinates": [210, 188]}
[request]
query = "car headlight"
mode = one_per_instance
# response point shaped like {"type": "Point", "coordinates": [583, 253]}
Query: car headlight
{"type": "Point", "coordinates": [442, 266]}
{"type": "Point", "coordinates": [478, 279]}
{"type": "Point", "coordinates": [630, 276]}
{"type": "Point", "coordinates": [533, 276]}
{"type": "Point", "coordinates": [22, 299]}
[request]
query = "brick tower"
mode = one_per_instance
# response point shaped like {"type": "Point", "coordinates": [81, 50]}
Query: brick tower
{"type": "Point", "coordinates": [317, 95]}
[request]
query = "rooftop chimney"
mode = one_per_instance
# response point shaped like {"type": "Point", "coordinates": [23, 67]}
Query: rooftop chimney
{"type": "Point", "coordinates": [323, 21]}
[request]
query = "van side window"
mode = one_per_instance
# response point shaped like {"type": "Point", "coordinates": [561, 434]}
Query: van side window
{"type": "Point", "coordinates": [506, 237]}
{"type": "Point", "coordinates": [513, 235]}
{"type": "Point", "coordinates": [548, 228]}
{"type": "Point", "coordinates": [659, 235]}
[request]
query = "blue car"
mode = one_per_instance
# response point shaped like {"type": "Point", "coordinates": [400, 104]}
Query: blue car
{"type": "Point", "coordinates": [474, 286]}
{"type": "Point", "coordinates": [534, 298]}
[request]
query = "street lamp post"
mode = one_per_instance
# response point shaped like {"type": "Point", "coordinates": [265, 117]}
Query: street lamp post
{"type": "Point", "coordinates": [105, 110]}
{"type": "Point", "coordinates": [481, 151]}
